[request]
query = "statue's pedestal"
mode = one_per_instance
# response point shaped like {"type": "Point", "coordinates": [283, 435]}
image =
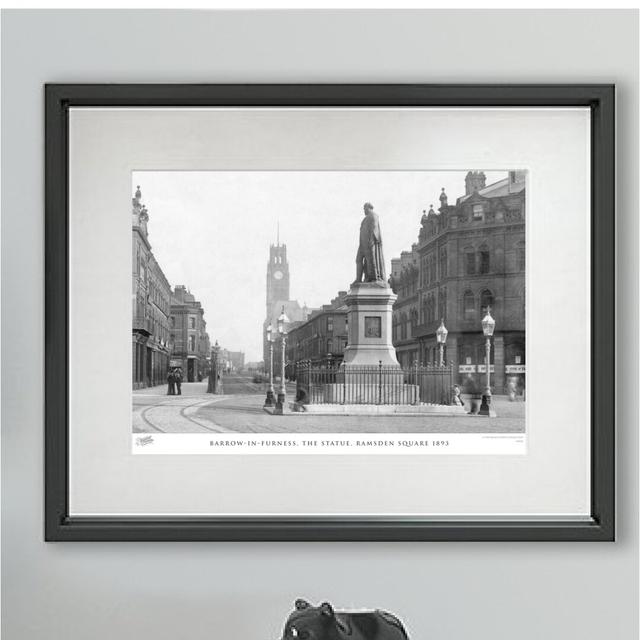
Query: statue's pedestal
{"type": "Point", "coordinates": [369, 307]}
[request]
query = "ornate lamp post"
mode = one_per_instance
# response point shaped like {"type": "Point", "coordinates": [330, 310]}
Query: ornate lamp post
{"type": "Point", "coordinates": [282, 332]}
{"type": "Point", "coordinates": [441, 337]}
{"type": "Point", "coordinates": [270, 399]}
{"type": "Point", "coordinates": [488, 325]}
{"type": "Point", "coordinates": [220, 375]}
{"type": "Point", "coordinates": [213, 385]}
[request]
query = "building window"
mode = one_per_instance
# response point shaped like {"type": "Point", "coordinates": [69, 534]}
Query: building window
{"type": "Point", "coordinates": [443, 262]}
{"type": "Point", "coordinates": [430, 308]}
{"type": "Point", "coordinates": [486, 301]}
{"type": "Point", "coordinates": [469, 306]}
{"type": "Point", "coordinates": [442, 303]}
{"type": "Point", "coordinates": [329, 346]}
{"type": "Point", "coordinates": [192, 323]}
{"type": "Point", "coordinates": [467, 354]}
{"type": "Point", "coordinates": [330, 324]}
{"type": "Point", "coordinates": [478, 212]}
{"type": "Point", "coordinates": [520, 256]}
{"type": "Point", "coordinates": [515, 353]}
{"type": "Point", "coordinates": [192, 343]}
{"type": "Point", "coordinates": [470, 262]}
{"type": "Point", "coordinates": [483, 266]}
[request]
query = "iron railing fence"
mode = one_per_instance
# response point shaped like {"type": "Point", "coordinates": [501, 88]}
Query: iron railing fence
{"type": "Point", "coordinates": [326, 382]}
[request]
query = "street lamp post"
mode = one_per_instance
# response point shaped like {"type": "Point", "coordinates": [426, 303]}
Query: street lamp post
{"type": "Point", "coordinates": [488, 325]}
{"type": "Point", "coordinates": [270, 399]}
{"type": "Point", "coordinates": [441, 337]}
{"type": "Point", "coordinates": [220, 372]}
{"type": "Point", "coordinates": [213, 386]}
{"type": "Point", "coordinates": [282, 392]}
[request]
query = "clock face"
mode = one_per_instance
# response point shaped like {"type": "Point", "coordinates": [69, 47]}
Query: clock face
{"type": "Point", "coordinates": [278, 275]}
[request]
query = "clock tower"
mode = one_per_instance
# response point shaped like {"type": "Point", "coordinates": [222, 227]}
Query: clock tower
{"type": "Point", "coordinates": [277, 276]}
{"type": "Point", "coordinates": [277, 302]}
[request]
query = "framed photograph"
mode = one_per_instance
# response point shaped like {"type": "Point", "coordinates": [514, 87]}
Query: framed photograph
{"type": "Point", "coordinates": [330, 312]}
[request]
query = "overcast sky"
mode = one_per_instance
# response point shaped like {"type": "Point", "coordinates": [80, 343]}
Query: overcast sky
{"type": "Point", "coordinates": [211, 231]}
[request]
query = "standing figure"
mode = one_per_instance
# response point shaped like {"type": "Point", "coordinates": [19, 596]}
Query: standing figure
{"type": "Point", "coordinates": [511, 389]}
{"type": "Point", "coordinates": [178, 379]}
{"type": "Point", "coordinates": [369, 259]}
{"type": "Point", "coordinates": [457, 398]}
{"type": "Point", "coordinates": [171, 383]}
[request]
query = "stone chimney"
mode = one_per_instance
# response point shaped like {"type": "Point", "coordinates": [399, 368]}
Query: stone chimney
{"type": "Point", "coordinates": [517, 178]}
{"type": "Point", "coordinates": [474, 181]}
{"type": "Point", "coordinates": [179, 292]}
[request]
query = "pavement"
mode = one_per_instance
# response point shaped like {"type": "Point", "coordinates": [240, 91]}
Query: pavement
{"type": "Point", "coordinates": [239, 410]}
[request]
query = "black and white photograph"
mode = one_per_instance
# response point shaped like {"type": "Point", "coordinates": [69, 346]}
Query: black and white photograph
{"type": "Point", "coordinates": [313, 304]}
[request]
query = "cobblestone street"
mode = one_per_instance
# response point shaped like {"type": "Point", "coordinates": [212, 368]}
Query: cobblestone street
{"type": "Point", "coordinates": [240, 410]}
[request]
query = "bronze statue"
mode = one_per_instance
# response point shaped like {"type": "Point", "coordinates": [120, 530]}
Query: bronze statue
{"type": "Point", "coordinates": [369, 260]}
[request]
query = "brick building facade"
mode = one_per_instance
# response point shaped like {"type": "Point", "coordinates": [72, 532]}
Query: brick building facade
{"type": "Point", "coordinates": [151, 295]}
{"type": "Point", "coordinates": [191, 347]}
{"type": "Point", "coordinates": [469, 256]}
{"type": "Point", "coordinates": [236, 358]}
{"type": "Point", "coordinates": [322, 334]}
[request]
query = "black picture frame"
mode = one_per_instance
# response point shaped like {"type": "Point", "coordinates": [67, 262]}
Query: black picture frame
{"type": "Point", "coordinates": [59, 526]}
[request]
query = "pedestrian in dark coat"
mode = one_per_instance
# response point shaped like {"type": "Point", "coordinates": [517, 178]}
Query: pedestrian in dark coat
{"type": "Point", "coordinates": [178, 379]}
{"type": "Point", "coordinates": [171, 383]}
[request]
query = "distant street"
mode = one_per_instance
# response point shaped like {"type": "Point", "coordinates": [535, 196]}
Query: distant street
{"type": "Point", "coordinates": [234, 384]}
{"type": "Point", "coordinates": [239, 410]}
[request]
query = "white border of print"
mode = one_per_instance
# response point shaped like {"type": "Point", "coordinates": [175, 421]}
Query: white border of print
{"type": "Point", "coordinates": [107, 144]}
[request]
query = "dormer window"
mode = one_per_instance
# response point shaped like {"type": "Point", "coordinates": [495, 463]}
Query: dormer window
{"type": "Point", "coordinates": [478, 212]}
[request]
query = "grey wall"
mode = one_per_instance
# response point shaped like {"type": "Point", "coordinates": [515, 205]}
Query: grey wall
{"type": "Point", "coordinates": [442, 591]}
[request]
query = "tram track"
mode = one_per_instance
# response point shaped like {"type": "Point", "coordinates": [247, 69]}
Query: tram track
{"type": "Point", "coordinates": [145, 419]}
{"type": "Point", "coordinates": [183, 414]}
{"type": "Point", "coordinates": [204, 426]}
